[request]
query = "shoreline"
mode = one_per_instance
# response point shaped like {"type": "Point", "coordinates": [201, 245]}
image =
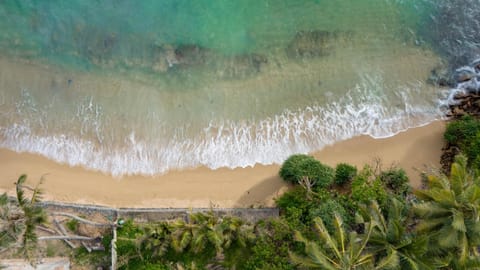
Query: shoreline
{"type": "Point", "coordinates": [256, 186]}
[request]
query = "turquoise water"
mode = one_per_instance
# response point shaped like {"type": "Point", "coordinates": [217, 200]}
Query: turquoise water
{"type": "Point", "coordinates": [144, 87]}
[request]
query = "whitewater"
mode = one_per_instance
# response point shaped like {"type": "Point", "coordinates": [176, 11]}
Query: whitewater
{"type": "Point", "coordinates": [157, 87]}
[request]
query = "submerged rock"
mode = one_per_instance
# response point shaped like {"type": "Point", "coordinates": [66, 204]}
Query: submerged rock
{"type": "Point", "coordinates": [441, 76]}
{"type": "Point", "coordinates": [164, 57]}
{"type": "Point", "coordinates": [190, 55]}
{"type": "Point", "coordinates": [241, 66]}
{"type": "Point", "coordinates": [311, 44]}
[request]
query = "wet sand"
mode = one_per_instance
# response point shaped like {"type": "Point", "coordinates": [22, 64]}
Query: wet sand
{"type": "Point", "coordinates": [201, 187]}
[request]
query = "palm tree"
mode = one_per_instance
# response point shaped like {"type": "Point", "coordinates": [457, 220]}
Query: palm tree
{"type": "Point", "coordinates": [200, 230]}
{"type": "Point", "coordinates": [181, 234]}
{"type": "Point", "coordinates": [209, 232]}
{"type": "Point", "coordinates": [449, 213]}
{"type": "Point", "coordinates": [34, 214]}
{"type": "Point", "coordinates": [393, 245]}
{"type": "Point", "coordinates": [19, 220]}
{"type": "Point", "coordinates": [156, 240]}
{"type": "Point", "coordinates": [342, 250]}
{"type": "Point", "coordinates": [235, 232]}
{"type": "Point", "coordinates": [11, 223]}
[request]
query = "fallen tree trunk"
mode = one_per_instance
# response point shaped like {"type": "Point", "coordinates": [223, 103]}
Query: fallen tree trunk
{"type": "Point", "coordinates": [79, 219]}
{"type": "Point", "coordinates": [66, 237]}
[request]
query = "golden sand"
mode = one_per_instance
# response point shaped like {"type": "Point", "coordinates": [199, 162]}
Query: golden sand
{"type": "Point", "coordinates": [201, 187]}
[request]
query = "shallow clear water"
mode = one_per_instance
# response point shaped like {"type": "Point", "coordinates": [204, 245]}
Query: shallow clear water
{"type": "Point", "coordinates": [128, 87]}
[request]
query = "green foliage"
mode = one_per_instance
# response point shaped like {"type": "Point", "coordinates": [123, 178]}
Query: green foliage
{"type": "Point", "coordinates": [127, 249]}
{"type": "Point", "coordinates": [294, 198]}
{"type": "Point", "coordinates": [394, 246]}
{"type": "Point", "coordinates": [449, 213]}
{"type": "Point", "coordinates": [19, 219]}
{"type": "Point", "coordinates": [344, 173]}
{"type": "Point", "coordinates": [338, 250]}
{"type": "Point", "coordinates": [155, 241]}
{"type": "Point", "coordinates": [72, 225]}
{"type": "Point", "coordinates": [396, 180]}
{"type": "Point", "coordinates": [50, 250]}
{"type": "Point", "coordinates": [366, 187]}
{"type": "Point", "coordinates": [461, 129]}
{"type": "Point", "coordinates": [270, 251]}
{"type": "Point", "coordinates": [102, 259]}
{"type": "Point", "coordinates": [298, 166]}
{"type": "Point", "coordinates": [326, 210]}
{"type": "Point", "coordinates": [465, 134]}
{"type": "Point", "coordinates": [296, 206]}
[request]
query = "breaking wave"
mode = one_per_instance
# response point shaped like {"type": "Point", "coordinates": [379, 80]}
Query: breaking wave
{"type": "Point", "coordinates": [365, 109]}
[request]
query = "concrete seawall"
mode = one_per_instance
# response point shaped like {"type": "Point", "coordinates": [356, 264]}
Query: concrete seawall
{"type": "Point", "coordinates": [160, 214]}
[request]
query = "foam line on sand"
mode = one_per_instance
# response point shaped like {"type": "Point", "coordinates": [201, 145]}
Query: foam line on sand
{"type": "Point", "coordinates": [201, 187]}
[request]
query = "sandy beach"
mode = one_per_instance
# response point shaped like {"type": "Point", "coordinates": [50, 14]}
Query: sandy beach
{"type": "Point", "coordinates": [201, 187]}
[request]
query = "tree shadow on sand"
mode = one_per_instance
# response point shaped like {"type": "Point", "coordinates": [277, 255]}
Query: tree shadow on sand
{"type": "Point", "coordinates": [263, 193]}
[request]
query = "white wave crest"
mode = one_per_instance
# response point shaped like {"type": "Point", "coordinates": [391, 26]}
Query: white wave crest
{"type": "Point", "coordinates": [366, 109]}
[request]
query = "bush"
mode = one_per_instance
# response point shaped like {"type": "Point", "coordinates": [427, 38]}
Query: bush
{"type": "Point", "coordinates": [295, 197]}
{"type": "Point", "coordinates": [270, 251]}
{"type": "Point", "coordinates": [465, 134]}
{"type": "Point", "coordinates": [72, 225]}
{"type": "Point", "coordinates": [294, 206]}
{"type": "Point", "coordinates": [326, 211]}
{"type": "Point", "coordinates": [344, 173]}
{"type": "Point", "coordinates": [462, 129]}
{"type": "Point", "coordinates": [298, 166]}
{"type": "Point", "coordinates": [396, 180]}
{"type": "Point", "coordinates": [365, 188]}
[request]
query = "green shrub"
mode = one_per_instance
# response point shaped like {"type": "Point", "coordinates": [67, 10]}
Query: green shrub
{"type": "Point", "coordinates": [344, 173]}
{"type": "Point", "coordinates": [270, 251]}
{"type": "Point", "coordinates": [298, 166]}
{"type": "Point", "coordinates": [72, 225]}
{"type": "Point", "coordinates": [365, 188]}
{"type": "Point", "coordinates": [326, 211]}
{"type": "Point", "coordinates": [294, 206]}
{"type": "Point", "coordinates": [296, 197]}
{"type": "Point", "coordinates": [465, 134]}
{"type": "Point", "coordinates": [459, 130]}
{"type": "Point", "coordinates": [396, 180]}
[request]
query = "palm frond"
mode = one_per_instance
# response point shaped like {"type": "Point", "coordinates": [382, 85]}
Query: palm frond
{"type": "Point", "coordinates": [391, 261]}
{"type": "Point", "coordinates": [458, 222]}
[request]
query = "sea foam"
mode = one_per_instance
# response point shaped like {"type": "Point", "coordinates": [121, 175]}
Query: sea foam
{"type": "Point", "coordinates": [364, 110]}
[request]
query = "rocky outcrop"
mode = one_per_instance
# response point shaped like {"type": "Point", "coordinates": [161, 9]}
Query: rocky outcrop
{"type": "Point", "coordinates": [466, 101]}
{"type": "Point", "coordinates": [466, 104]}
{"type": "Point", "coordinates": [241, 66]}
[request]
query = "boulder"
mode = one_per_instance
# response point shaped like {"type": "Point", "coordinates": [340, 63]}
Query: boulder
{"type": "Point", "coordinates": [476, 65]}
{"type": "Point", "coordinates": [464, 74]}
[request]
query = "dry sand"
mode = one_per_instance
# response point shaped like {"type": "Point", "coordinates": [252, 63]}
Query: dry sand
{"type": "Point", "coordinates": [258, 186]}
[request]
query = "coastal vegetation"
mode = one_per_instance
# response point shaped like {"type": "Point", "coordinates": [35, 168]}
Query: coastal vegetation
{"type": "Point", "coordinates": [373, 221]}
{"type": "Point", "coordinates": [330, 218]}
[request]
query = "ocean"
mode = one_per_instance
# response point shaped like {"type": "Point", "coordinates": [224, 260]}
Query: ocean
{"type": "Point", "coordinates": [145, 87]}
